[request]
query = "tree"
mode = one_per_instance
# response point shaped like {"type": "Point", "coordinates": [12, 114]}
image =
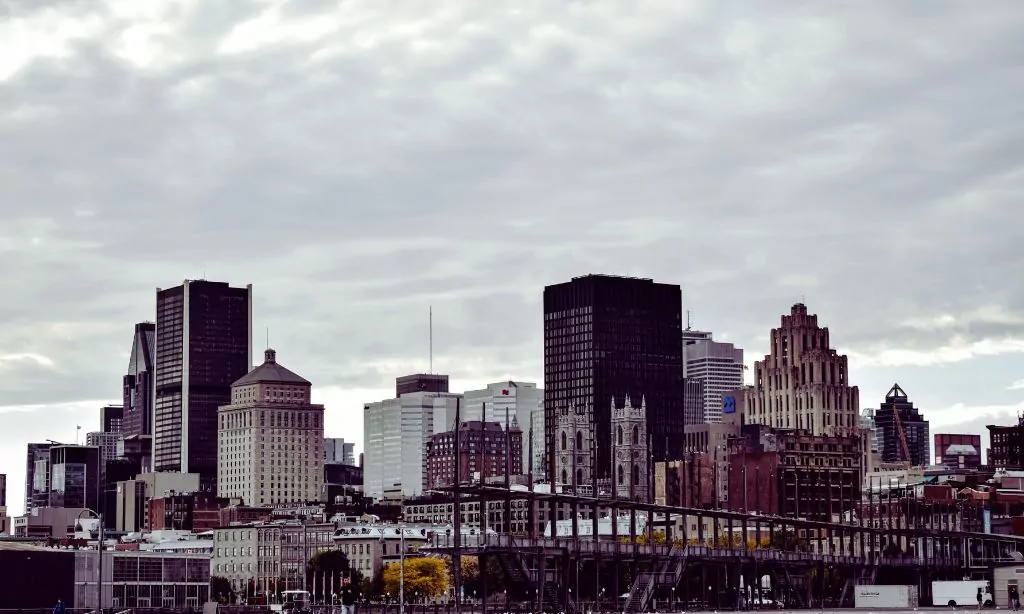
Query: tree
{"type": "Point", "coordinates": [425, 577]}
{"type": "Point", "coordinates": [473, 581]}
{"type": "Point", "coordinates": [220, 589]}
{"type": "Point", "coordinates": [326, 573]}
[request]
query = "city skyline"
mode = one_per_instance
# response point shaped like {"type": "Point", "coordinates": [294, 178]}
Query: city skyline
{"type": "Point", "coordinates": [843, 160]}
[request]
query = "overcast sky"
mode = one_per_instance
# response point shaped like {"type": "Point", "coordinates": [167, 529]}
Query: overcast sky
{"type": "Point", "coordinates": [359, 161]}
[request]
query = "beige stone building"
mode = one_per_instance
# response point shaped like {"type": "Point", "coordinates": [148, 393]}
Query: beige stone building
{"type": "Point", "coordinates": [270, 438]}
{"type": "Point", "coordinates": [268, 554]}
{"type": "Point", "coordinates": [801, 384]}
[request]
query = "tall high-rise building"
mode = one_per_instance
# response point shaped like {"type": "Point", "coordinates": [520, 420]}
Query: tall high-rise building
{"type": "Point", "coordinates": [3, 493]}
{"type": "Point", "coordinates": [718, 366]}
{"type": "Point", "coordinates": [37, 476]}
{"type": "Point", "coordinates": [395, 436]}
{"type": "Point", "coordinates": [203, 345]}
{"type": "Point", "coordinates": [508, 403]}
{"type": "Point", "coordinates": [111, 418]}
{"type": "Point", "coordinates": [914, 427]}
{"type": "Point", "coordinates": [138, 383]}
{"type": "Point", "coordinates": [75, 476]}
{"type": "Point", "coordinates": [693, 401]}
{"type": "Point", "coordinates": [271, 438]}
{"type": "Point", "coordinates": [338, 451]}
{"type": "Point", "coordinates": [606, 337]}
{"type": "Point", "coordinates": [420, 382]}
{"type": "Point", "coordinates": [803, 384]}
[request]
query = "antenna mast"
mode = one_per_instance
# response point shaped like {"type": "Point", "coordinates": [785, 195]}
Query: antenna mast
{"type": "Point", "coordinates": [688, 320]}
{"type": "Point", "coordinates": [430, 327]}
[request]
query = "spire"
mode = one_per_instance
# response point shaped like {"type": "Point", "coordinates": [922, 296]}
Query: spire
{"type": "Point", "coordinates": [628, 404]}
{"type": "Point", "coordinates": [643, 402]}
{"type": "Point", "coordinates": [613, 402]}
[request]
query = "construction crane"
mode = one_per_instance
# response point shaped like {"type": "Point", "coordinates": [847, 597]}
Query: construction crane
{"type": "Point", "coordinates": [908, 462]}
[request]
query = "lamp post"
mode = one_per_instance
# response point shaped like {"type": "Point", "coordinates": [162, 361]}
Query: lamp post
{"type": "Point", "coordinates": [99, 552]}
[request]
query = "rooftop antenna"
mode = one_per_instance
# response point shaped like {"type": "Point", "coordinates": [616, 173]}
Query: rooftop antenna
{"type": "Point", "coordinates": [430, 327]}
{"type": "Point", "coordinates": [688, 320]}
{"type": "Point", "coordinates": [268, 338]}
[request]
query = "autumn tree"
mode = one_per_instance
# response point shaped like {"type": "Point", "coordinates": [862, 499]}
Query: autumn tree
{"type": "Point", "coordinates": [425, 577]}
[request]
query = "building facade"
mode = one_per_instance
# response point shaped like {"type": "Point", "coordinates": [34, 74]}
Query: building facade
{"type": "Point", "coordinates": [574, 458]}
{"type": "Point", "coordinates": [37, 476]}
{"type": "Point", "coordinates": [693, 402]}
{"type": "Point", "coordinates": [75, 477]}
{"type": "Point", "coordinates": [395, 436]}
{"type": "Point", "coordinates": [914, 429]}
{"type": "Point", "coordinates": [505, 402]}
{"type": "Point", "coordinates": [421, 382]}
{"type": "Point", "coordinates": [1006, 446]}
{"type": "Point", "coordinates": [486, 450]}
{"type": "Point", "coordinates": [718, 366]}
{"type": "Point", "coordinates": [112, 419]}
{"type": "Point", "coordinates": [795, 474]}
{"type": "Point", "coordinates": [802, 384]}
{"type": "Point", "coordinates": [608, 336]}
{"type": "Point", "coordinates": [337, 451]}
{"type": "Point", "coordinates": [203, 345]}
{"type": "Point", "coordinates": [271, 438]}
{"type": "Point", "coordinates": [957, 450]}
{"type": "Point", "coordinates": [196, 512]}
{"type": "Point", "coordinates": [137, 385]}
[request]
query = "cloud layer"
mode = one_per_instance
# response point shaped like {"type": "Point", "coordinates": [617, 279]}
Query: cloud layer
{"type": "Point", "coordinates": [359, 162]}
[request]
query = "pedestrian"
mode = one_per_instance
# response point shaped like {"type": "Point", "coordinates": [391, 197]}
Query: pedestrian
{"type": "Point", "coordinates": [60, 608]}
{"type": "Point", "coordinates": [980, 597]}
{"type": "Point", "coordinates": [1014, 598]}
{"type": "Point", "coordinates": [348, 601]}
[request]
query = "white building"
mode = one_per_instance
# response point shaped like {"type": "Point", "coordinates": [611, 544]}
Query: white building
{"type": "Point", "coordinates": [507, 401]}
{"type": "Point", "coordinates": [336, 451]}
{"type": "Point", "coordinates": [395, 434]}
{"type": "Point", "coordinates": [270, 439]}
{"type": "Point", "coordinates": [718, 366]}
{"type": "Point", "coordinates": [535, 437]}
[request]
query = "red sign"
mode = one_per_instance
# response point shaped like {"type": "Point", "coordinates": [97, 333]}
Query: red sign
{"type": "Point", "coordinates": [504, 392]}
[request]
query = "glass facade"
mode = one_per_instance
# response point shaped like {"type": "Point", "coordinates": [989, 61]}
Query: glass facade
{"type": "Point", "coordinates": [75, 477]}
{"type": "Point", "coordinates": [203, 341]}
{"type": "Point", "coordinates": [137, 396]}
{"type": "Point", "coordinates": [133, 580]}
{"type": "Point", "coordinates": [607, 337]}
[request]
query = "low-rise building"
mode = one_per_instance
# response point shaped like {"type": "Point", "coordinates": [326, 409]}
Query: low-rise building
{"type": "Point", "coordinates": [142, 580]}
{"type": "Point", "coordinates": [198, 511]}
{"type": "Point", "coordinates": [268, 555]}
{"type": "Point", "coordinates": [369, 546]}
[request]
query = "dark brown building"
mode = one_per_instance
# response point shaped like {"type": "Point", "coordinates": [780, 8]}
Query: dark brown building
{"type": "Point", "coordinates": [203, 345]}
{"type": "Point", "coordinates": [605, 338]}
{"type": "Point", "coordinates": [137, 388]}
{"type": "Point", "coordinates": [914, 427]}
{"type": "Point", "coordinates": [794, 474]}
{"type": "Point", "coordinates": [243, 514]}
{"type": "Point", "coordinates": [195, 512]}
{"type": "Point", "coordinates": [1007, 446]}
{"type": "Point", "coordinates": [420, 382]}
{"type": "Point", "coordinates": [482, 448]}
{"type": "Point", "coordinates": [689, 482]}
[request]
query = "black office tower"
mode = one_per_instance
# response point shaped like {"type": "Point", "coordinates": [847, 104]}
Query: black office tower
{"type": "Point", "coordinates": [914, 429]}
{"type": "Point", "coordinates": [75, 477]}
{"type": "Point", "coordinates": [37, 476]}
{"type": "Point", "coordinates": [203, 344]}
{"type": "Point", "coordinates": [137, 396]}
{"type": "Point", "coordinates": [607, 337]}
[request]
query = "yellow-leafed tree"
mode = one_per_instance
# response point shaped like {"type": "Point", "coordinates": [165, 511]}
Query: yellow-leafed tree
{"type": "Point", "coordinates": [425, 577]}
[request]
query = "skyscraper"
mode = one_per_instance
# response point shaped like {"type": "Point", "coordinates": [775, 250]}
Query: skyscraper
{"type": "Point", "coordinates": [606, 337]}
{"type": "Point", "coordinates": [112, 419]}
{"type": "Point", "coordinates": [271, 438]}
{"type": "Point", "coordinates": [138, 383]}
{"type": "Point", "coordinates": [3, 493]}
{"type": "Point", "coordinates": [914, 427]}
{"type": "Point", "coordinates": [717, 365]}
{"type": "Point", "coordinates": [75, 477]}
{"type": "Point", "coordinates": [37, 476]}
{"type": "Point", "coordinates": [338, 452]}
{"type": "Point", "coordinates": [203, 345]}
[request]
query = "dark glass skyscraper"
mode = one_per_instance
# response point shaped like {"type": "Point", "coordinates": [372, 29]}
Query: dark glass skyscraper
{"type": "Point", "coordinates": [915, 428]}
{"type": "Point", "coordinates": [75, 476]}
{"type": "Point", "coordinates": [203, 344]}
{"type": "Point", "coordinates": [37, 476]}
{"type": "Point", "coordinates": [607, 337]}
{"type": "Point", "coordinates": [138, 383]}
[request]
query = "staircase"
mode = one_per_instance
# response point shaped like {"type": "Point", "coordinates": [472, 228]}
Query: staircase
{"type": "Point", "coordinates": [669, 574]}
{"type": "Point", "coordinates": [516, 572]}
{"type": "Point", "coordinates": [866, 576]}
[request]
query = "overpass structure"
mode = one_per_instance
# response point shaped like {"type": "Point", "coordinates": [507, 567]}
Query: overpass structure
{"type": "Point", "coordinates": [692, 558]}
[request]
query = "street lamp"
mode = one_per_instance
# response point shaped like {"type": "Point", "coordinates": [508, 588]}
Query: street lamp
{"type": "Point", "coordinates": [99, 552]}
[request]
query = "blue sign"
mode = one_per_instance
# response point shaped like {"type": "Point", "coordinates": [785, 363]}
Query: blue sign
{"type": "Point", "coordinates": [729, 405]}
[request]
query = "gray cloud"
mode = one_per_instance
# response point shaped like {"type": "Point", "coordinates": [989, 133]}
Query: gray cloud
{"type": "Point", "coordinates": [358, 163]}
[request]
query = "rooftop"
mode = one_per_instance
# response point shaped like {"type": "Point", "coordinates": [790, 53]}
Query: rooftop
{"type": "Point", "coordinates": [270, 372]}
